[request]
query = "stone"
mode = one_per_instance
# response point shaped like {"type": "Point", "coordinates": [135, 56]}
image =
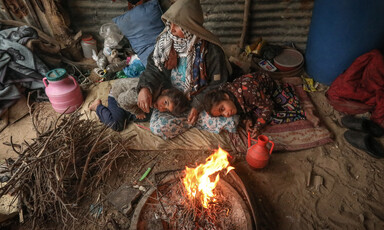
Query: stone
{"type": "Point", "coordinates": [124, 198]}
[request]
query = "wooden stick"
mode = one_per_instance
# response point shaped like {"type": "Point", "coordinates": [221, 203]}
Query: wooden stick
{"type": "Point", "coordinates": [247, 6]}
{"type": "Point", "coordinates": [85, 170]}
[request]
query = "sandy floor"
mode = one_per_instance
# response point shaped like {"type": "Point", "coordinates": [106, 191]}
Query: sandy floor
{"type": "Point", "coordinates": [18, 126]}
{"type": "Point", "coordinates": [334, 186]}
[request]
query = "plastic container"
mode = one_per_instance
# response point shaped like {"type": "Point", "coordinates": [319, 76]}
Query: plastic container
{"type": "Point", "coordinates": [267, 65]}
{"type": "Point", "coordinates": [135, 67]}
{"type": "Point", "coordinates": [115, 67]}
{"type": "Point", "coordinates": [88, 44]}
{"type": "Point", "coordinates": [288, 60]}
{"type": "Point", "coordinates": [341, 31]}
{"type": "Point", "coordinates": [63, 91]}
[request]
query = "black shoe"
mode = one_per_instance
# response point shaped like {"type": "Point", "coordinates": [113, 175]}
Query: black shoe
{"type": "Point", "coordinates": [364, 142]}
{"type": "Point", "coordinates": [362, 124]}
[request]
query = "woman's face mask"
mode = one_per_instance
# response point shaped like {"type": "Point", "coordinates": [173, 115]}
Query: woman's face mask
{"type": "Point", "coordinates": [176, 31]}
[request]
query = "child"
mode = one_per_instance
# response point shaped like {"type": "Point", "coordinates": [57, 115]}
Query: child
{"type": "Point", "coordinates": [122, 104]}
{"type": "Point", "coordinates": [257, 99]}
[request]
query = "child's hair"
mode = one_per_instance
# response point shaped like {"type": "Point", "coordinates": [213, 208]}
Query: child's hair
{"type": "Point", "coordinates": [212, 98]}
{"type": "Point", "coordinates": [134, 3]}
{"type": "Point", "coordinates": [180, 101]}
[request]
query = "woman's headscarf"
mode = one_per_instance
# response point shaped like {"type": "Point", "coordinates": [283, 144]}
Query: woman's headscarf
{"type": "Point", "coordinates": [184, 47]}
{"type": "Point", "coordinates": [165, 42]}
{"type": "Point", "coordinates": [188, 15]}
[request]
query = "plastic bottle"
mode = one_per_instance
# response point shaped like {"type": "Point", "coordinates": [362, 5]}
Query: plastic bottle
{"type": "Point", "coordinates": [115, 67]}
{"type": "Point", "coordinates": [88, 44]}
{"type": "Point", "coordinates": [101, 59]}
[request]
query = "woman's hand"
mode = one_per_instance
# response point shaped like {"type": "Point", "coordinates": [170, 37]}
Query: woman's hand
{"type": "Point", "coordinates": [248, 125]}
{"type": "Point", "coordinates": [254, 133]}
{"type": "Point", "coordinates": [193, 115]}
{"type": "Point", "coordinates": [144, 100]}
{"type": "Point", "coordinates": [249, 128]}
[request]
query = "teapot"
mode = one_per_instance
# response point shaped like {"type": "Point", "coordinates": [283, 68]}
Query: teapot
{"type": "Point", "coordinates": [258, 154]}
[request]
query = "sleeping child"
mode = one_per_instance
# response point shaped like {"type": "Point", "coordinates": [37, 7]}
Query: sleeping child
{"type": "Point", "coordinates": [258, 99]}
{"type": "Point", "coordinates": [122, 103]}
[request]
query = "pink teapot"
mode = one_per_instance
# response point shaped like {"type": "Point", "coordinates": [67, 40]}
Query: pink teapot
{"type": "Point", "coordinates": [258, 154]}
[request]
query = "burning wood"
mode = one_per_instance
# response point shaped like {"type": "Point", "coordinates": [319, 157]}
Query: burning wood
{"type": "Point", "coordinates": [203, 203]}
{"type": "Point", "coordinates": [197, 181]}
{"type": "Point", "coordinates": [194, 199]}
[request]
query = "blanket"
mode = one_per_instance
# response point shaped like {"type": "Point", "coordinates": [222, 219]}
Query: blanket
{"type": "Point", "coordinates": [360, 88]}
{"type": "Point", "coordinates": [297, 135]}
{"type": "Point", "coordinates": [18, 65]}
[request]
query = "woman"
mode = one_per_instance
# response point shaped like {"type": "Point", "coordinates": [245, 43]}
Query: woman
{"type": "Point", "coordinates": [191, 59]}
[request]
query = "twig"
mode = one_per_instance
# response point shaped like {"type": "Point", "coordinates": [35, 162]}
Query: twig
{"type": "Point", "coordinates": [30, 112]}
{"type": "Point", "coordinates": [47, 170]}
{"type": "Point", "coordinates": [126, 148]}
{"type": "Point", "coordinates": [85, 170]}
{"type": "Point", "coordinates": [50, 136]}
{"type": "Point", "coordinates": [143, 165]}
{"type": "Point", "coordinates": [61, 201]}
{"type": "Point", "coordinates": [161, 204]}
{"type": "Point", "coordinates": [12, 145]}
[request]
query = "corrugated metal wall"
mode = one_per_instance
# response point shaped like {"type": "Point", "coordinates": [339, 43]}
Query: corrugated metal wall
{"type": "Point", "coordinates": [278, 21]}
{"type": "Point", "coordinates": [89, 15]}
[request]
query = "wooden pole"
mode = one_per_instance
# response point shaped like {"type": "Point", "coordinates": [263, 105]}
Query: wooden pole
{"type": "Point", "coordinates": [247, 6]}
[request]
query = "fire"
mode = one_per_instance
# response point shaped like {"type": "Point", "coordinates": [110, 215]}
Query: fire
{"type": "Point", "coordinates": [197, 180]}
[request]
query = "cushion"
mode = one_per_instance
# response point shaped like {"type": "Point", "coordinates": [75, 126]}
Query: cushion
{"type": "Point", "coordinates": [141, 26]}
{"type": "Point", "coordinates": [293, 136]}
{"type": "Point", "coordinates": [168, 126]}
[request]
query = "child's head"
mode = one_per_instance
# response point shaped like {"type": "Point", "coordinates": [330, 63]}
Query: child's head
{"type": "Point", "coordinates": [172, 100]}
{"type": "Point", "coordinates": [218, 103]}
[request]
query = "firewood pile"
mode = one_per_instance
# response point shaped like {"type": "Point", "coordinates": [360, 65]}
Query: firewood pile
{"type": "Point", "coordinates": [69, 158]}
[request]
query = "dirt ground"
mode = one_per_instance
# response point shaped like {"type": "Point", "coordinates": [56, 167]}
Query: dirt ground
{"type": "Point", "coordinates": [333, 186]}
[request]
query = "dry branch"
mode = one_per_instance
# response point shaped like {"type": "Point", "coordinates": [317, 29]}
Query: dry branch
{"type": "Point", "coordinates": [72, 156]}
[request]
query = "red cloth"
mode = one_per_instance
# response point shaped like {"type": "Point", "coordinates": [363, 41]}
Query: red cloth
{"type": "Point", "coordinates": [360, 88]}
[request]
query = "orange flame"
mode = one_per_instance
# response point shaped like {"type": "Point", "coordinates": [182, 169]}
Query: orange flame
{"type": "Point", "coordinates": [197, 181]}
